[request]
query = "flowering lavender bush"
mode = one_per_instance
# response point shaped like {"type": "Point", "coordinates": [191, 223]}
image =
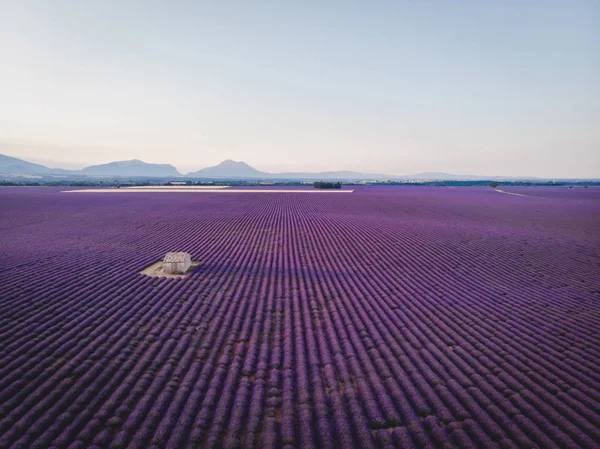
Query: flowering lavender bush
{"type": "Point", "coordinates": [393, 317]}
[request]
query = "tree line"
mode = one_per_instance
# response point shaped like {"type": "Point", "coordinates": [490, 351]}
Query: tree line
{"type": "Point", "coordinates": [327, 185]}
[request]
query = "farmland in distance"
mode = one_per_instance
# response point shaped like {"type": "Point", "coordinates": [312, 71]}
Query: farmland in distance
{"type": "Point", "coordinates": [389, 317]}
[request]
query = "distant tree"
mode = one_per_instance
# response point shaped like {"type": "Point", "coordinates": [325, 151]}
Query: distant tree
{"type": "Point", "coordinates": [493, 185]}
{"type": "Point", "coordinates": [327, 185]}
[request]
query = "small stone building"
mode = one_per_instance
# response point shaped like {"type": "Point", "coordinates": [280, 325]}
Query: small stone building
{"type": "Point", "coordinates": [176, 263]}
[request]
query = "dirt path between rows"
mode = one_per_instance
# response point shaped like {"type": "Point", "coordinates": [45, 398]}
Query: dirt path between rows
{"type": "Point", "coordinates": [516, 194]}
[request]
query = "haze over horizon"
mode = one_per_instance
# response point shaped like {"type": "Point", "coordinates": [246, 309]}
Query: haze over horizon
{"type": "Point", "coordinates": [398, 88]}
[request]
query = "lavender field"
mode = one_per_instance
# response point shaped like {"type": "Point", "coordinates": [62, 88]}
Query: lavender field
{"type": "Point", "coordinates": [390, 317]}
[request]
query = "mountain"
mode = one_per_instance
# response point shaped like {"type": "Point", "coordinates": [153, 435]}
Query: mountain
{"type": "Point", "coordinates": [134, 167]}
{"type": "Point", "coordinates": [332, 175]}
{"type": "Point", "coordinates": [232, 169]}
{"type": "Point", "coordinates": [12, 165]}
{"type": "Point", "coordinates": [439, 176]}
{"type": "Point", "coordinates": [15, 166]}
{"type": "Point", "coordinates": [229, 169]}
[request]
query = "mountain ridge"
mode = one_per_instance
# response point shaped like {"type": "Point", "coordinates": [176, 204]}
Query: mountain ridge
{"type": "Point", "coordinates": [228, 169]}
{"type": "Point", "coordinates": [9, 164]}
{"type": "Point", "coordinates": [133, 167]}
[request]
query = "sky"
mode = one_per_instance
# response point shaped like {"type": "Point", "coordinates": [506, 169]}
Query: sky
{"type": "Point", "coordinates": [397, 87]}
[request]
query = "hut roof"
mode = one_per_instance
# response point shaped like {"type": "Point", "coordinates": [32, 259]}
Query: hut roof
{"type": "Point", "coordinates": [175, 257]}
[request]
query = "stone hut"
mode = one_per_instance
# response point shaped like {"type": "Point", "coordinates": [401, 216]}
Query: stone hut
{"type": "Point", "coordinates": [176, 263]}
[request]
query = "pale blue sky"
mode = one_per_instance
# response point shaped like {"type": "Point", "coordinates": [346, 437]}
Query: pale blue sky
{"type": "Point", "coordinates": [479, 87]}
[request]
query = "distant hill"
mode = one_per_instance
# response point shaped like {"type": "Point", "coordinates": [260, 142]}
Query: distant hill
{"type": "Point", "coordinates": [439, 176]}
{"type": "Point", "coordinates": [134, 167]}
{"type": "Point", "coordinates": [337, 175]}
{"type": "Point", "coordinates": [229, 169]}
{"type": "Point", "coordinates": [12, 165]}
{"type": "Point", "coordinates": [240, 170]}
